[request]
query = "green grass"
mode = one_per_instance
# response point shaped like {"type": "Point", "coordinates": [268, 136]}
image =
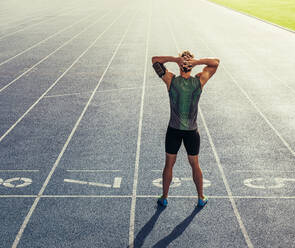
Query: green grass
{"type": "Point", "coordinates": [281, 12]}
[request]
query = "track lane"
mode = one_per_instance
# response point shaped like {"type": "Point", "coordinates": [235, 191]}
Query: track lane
{"type": "Point", "coordinates": [26, 49]}
{"type": "Point", "coordinates": [66, 144]}
{"type": "Point", "coordinates": [269, 96]}
{"type": "Point", "coordinates": [243, 139]}
{"type": "Point", "coordinates": [47, 127]}
{"type": "Point", "coordinates": [5, 36]}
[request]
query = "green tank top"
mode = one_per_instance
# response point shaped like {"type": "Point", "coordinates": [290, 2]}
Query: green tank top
{"type": "Point", "coordinates": [184, 95]}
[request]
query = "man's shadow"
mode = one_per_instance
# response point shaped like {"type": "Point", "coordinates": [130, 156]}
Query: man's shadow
{"type": "Point", "coordinates": [178, 230]}
{"type": "Point", "coordinates": [148, 227]}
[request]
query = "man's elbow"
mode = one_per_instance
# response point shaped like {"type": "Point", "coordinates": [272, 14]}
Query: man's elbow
{"type": "Point", "coordinates": [217, 61]}
{"type": "Point", "coordinates": [154, 59]}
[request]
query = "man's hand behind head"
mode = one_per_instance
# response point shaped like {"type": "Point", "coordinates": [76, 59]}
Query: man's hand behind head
{"type": "Point", "coordinates": [180, 61]}
{"type": "Point", "coordinates": [187, 66]}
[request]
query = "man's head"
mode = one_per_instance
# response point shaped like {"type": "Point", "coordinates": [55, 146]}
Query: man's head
{"type": "Point", "coordinates": [186, 66]}
{"type": "Point", "coordinates": [186, 55]}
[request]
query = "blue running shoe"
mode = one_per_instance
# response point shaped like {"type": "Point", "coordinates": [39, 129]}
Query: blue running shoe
{"type": "Point", "coordinates": [202, 202]}
{"type": "Point", "coordinates": [162, 201]}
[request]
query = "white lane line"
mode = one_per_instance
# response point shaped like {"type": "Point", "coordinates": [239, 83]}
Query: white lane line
{"type": "Point", "coordinates": [102, 91]}
{"type": "Point", "coordinates": [37, 14]}
{"type": "Point", "coordinates": [149, 196]}
{"type": "Point", "coordinates": [136, 167]}
{"type": "Point", "coordinates": [86, 196]}
{"type": "Point", "coordinates": [227, 187]}
{"type": "Point", "coordinates": [68, 94]}
{"type": "Point", "coordinates": [22, 21]}
{"type": "Point", "coordinates": [119, 89]}
{"type": "Point", "coordinates": [57, 49]}
{"type": "Point", "coordinates": [35, 24]}
{"type": "Point", "coordinates": [259, 111]}
{"type": "Point", "coordinates": [27, 218]}
{"type": "Point", "coordinates": [266, 69]}
{"type": "Point", "coordinates": [220, 197]}
{"type": "Point", "coordinates": [42, 18]}
{"type": "Point", "coordinates": [85, 92]}
{"type": "Point", "coordinates": [262, 171]}
{"type": "Point", "coordinates": [172, 34]}
{"type": "Point", "coordinates": [46, 39]}
{"type": "Point", "coordinates": [18, 196]}
{"type": "Point", "coordinates": [229, 192]}
{"type": "Point", "coordinates": [19, 170]}
{"type": "Point", "coordinates": [251, 101]}
{"type": "Point", "coordinates": [57, 80]}
{"type": "Point", "coordinates": [263, 197]}
{"type": "Point", "coordinates": [89, 183]}
{"type": "Point", "coordinates": [93, 170]}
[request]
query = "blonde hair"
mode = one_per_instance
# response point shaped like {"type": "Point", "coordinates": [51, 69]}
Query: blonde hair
{"type": "Point", "coordinates": [186, 53]}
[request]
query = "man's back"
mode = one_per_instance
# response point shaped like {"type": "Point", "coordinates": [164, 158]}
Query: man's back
{"type": "Point", "coordinates": [184, 97]}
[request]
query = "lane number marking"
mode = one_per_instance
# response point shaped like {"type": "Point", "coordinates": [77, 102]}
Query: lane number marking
{"type": "Point", "coordinates": [9, 182]}
{"type": "Point", "coordinates": [176, 182]}
{"type": "Point", "coordinates": [116, 184]}
{"type": "Point", "coordinates": [264, 183]}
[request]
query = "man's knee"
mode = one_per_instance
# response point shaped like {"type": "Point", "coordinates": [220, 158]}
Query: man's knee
{"type": "Point", "coordinates": [193, 160]}
{"type": "Point", "coordinates": [170, 159]}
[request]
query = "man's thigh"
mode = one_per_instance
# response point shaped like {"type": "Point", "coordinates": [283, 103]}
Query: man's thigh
{"type": "Point", "coordinates": [173, 140]}
{"type": "Point", "coordinates": [191, 141]}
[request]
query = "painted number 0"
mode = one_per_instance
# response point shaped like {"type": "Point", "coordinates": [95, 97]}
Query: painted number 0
{"type": "Point", "coordinates": [176, 182]}
{"type": "Point", "coordinates": [9, 182]}
{"type": "Point", "coordinates": [263, 183]}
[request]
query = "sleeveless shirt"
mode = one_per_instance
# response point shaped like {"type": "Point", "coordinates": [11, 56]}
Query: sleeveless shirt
{"type": "Point", "coordinates": [184, 95]}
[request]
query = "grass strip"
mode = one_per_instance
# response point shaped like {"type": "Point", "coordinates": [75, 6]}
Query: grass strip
{"type": "Point", "coordinates": [281, 12]}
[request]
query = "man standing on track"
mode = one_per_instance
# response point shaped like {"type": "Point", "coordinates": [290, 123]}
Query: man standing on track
{"type": "Point", "coordinates": [184, 93]}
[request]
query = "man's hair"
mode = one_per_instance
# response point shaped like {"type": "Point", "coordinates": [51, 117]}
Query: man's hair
{"type": "Point", "coordinates": [186, 54]}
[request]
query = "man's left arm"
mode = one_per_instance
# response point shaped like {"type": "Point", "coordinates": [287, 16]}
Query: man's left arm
{"type": "Point", "coordinates": [162, 71]}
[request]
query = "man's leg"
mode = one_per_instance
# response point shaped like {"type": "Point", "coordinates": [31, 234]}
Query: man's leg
{"type": "Point", "coordinates": [173, 141]}
{"type": "Point", "coordinates": [197, 174]}
{"type": "Point", "coordinates": [167, 173]}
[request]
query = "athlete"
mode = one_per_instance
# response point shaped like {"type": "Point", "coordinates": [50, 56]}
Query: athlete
{"type": "Point", "coordinates": [184, 93]}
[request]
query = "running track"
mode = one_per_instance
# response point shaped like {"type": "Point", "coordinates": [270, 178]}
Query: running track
{"type": "Point", "coordinates": [83, 121]}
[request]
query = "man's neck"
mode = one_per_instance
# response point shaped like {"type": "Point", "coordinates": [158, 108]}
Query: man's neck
{"type": "Point", "coordinates": [185, 75]}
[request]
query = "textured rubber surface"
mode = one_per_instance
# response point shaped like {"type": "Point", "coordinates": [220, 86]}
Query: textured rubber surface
{"type": "Point", "coordinates": [247, 128]}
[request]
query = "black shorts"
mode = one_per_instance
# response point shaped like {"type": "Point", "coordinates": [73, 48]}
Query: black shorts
{"type": "Point", "coordinates": [174, 137]}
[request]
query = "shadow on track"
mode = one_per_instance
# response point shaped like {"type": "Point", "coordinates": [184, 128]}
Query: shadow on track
{"type": "Point", "coordinates": [178, 230]}
{"type": "Point", "coordinates": [148, 227]}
